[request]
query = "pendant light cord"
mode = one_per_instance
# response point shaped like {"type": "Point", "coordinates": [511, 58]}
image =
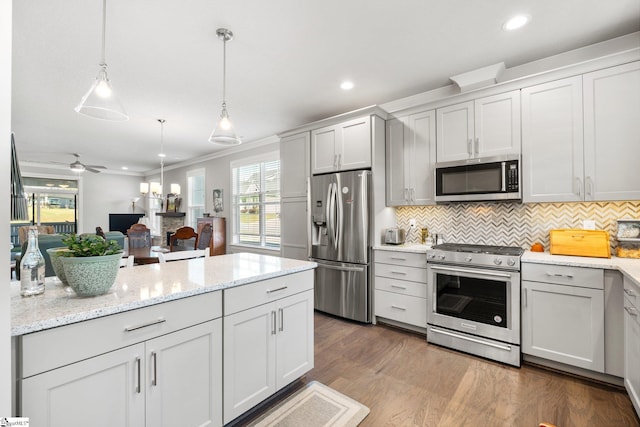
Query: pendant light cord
{"type": "Point", "coordinates": [103, 62]}
{"type": "Point", "coordinates": [162, 155]}
{"type": "Point", "coordinates": [224, 72]}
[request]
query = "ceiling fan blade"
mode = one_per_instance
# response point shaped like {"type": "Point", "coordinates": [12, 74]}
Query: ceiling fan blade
{"type": "Point", "coordinates": [95, 166]}
{"type": "Point", "coordinates": [90, 169]}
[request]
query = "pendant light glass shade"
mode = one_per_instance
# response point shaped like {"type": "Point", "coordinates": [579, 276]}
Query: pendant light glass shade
{"type": "Point", "coordinates": [100, 101]}
{"type": "Point", "coordinates": [224, 133]}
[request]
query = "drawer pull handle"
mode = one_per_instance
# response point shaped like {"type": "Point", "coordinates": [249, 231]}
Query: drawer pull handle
{"type": "Point", "coordinates": [270, 291]}
{"type": "Point", "coordinates": [398, 258]}
{"type": "Point", "coordinates": [630, 292]}
{"type": "Point", "coordinates": [399, 286]}
{"type": "Point", "coordinates": [144, 325]}
{"type": "Point", "coordinates": [137, 375]}
{"type": "Point", "coordinates": [397, 307]}
{"type": "Point", "coordinates": [632, 311]}
{"type": "Point", "coordinates": [273, 322]}
{"type": "Point", "coordinates": [154, 379]}
{"type": "Point", "coordinates": [399, 272]}
{"type": "Point", "coordinates": [281, 310]}
{"type": "Point", "coordinates": [570, 276]}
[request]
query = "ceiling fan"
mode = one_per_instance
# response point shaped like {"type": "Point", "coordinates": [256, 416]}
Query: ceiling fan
{"type": "Point", "coordinates": [78, 166]}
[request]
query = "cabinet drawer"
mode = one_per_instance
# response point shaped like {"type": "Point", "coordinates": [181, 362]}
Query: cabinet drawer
{"type": "Point", "coordinates": [402, 308]}
{"type": "Point", "coordinates": [408, 259]}
{"type": "Point", "coordinates": [401, 272]}
{"type": "Point", "coordinates": [254, 294]}
{"type": "Point", "coordinates": [564, 275]}
{"type": "Point", "coordinates": [52, 348]}
{"type": "Point", "coordinates": [404, 287]}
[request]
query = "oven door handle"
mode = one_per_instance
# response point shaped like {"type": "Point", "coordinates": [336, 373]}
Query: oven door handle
{"type": "Point", "coordinates": [463, 270]}
{"type": "Point", "coordinates": [473, 340]}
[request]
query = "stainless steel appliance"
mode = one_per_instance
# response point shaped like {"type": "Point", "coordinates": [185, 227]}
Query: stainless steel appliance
{"type": "Point", "coordinates": [490, 178]}
{"type": "Point", "coordinates": [394, 236]}
{"type": "Point", "coordinates": [474, 299]}
{"type": "Point", "coordinates": [340, 243]}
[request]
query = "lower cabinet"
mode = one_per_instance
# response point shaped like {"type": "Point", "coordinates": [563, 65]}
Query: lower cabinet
{"type": "Point", "coordinates": [155, 366]}
{"type": "Point", "coordinates": [167, 381]}
{"type": "Point", "coordinates": [563, 315]}
{"type": "Point", "coordinates": [268, 339]}
{"type": "Point", "coordinates": [632, 342]}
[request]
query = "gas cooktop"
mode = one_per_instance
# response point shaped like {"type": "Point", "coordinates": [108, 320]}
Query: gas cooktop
{"type": "Point", "coordinates": [480, 249]}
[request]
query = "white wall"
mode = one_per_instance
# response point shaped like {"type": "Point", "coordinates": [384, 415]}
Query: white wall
{"type": "Point", "coordinates": [5, 159]}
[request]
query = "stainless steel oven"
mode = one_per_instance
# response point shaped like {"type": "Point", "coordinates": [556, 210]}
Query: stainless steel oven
{"type": "Point", "coordinates": [474, 300]}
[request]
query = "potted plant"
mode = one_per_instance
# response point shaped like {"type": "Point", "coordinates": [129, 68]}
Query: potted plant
{"type": "Point", "coordinates": [90, 264]}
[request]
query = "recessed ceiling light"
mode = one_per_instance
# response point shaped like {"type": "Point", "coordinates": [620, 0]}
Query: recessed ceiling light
{"type": "Point", "coordinates": [516, 22]}
{"type": "Point", "coordinates": [124, 168]}
{"type": "Point", "coordinates": [346, 85]}
{"type": "Point", "coordinates": [162, 155]}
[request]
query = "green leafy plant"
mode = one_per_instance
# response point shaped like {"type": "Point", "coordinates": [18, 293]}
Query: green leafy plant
{"type": "Point", "coordinates": [89, 245]}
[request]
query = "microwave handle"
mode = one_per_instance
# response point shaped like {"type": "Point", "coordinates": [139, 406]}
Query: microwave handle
{"type": "Point", "coordinates": [504, 177]}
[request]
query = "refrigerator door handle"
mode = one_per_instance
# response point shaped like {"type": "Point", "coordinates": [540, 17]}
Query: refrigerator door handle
{"type": "Point", "coordinates": [340, 268]}
{"type": "Point", "coordinates": [340, 220]}
{"type": "Point", "coordinates": [329, 201]}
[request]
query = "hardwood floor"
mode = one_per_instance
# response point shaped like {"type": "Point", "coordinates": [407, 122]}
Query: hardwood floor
{"type": "Point", "coordinates": [407, 382]}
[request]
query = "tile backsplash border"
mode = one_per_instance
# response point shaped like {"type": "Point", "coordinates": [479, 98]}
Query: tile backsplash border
{"type": "Point", "coordinates": [512, 224]}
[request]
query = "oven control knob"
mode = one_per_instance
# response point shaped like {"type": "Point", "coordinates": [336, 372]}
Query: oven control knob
{"type": "Point", "coordinates": [468, 258]}
{"type": "Point", "coordinates": [441, 257]}
{"type": "Point", "coordinates": [511, 262]}
{"type": "Point", "coordinates": [431, 256]}
{"type": "Point", "coordinates": [497, 261]}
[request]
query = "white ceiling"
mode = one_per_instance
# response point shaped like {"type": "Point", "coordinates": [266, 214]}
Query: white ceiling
{"type": "Point", "coordinates": [284, 65]}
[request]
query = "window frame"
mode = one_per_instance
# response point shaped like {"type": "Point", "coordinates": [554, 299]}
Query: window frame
{"type": "Point", "coordinates": [192, 219]}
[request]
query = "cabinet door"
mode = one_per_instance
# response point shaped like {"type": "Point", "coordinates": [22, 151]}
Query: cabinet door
{"type": "Point", "coordinates": [294, 165]}
{"type": "Point", "coordinates": [249, 359]}
{"type": "Point", "coordinates": [552, 143]}
{"type": "Point", "coordinates": [395, 163]}
{"type": "Point", "coordinates": [421, 157]}
{"type": "Point", "coordinates": [102, 391]}
{"type": "Point", "coordinates": [293, 237]}
{"type": "Point", "coordinates": [632, 353]}
{"type": "Point", "coordinates": [294, 352]}
{"type": "Point", "coordinates": [184, 377]}
{"type": "Point", "coordinates": [611, 133]}
{"type": "Point", "coordinates": [497, 125]}
{"type": "Point", "coordinates": [455, 132]}
{"type": "Point", "coordinates": [323, 149]}
{"type": "Point", "coordinates": [563, 323]}
{"type": "Point", "coordinates": [354, 144]}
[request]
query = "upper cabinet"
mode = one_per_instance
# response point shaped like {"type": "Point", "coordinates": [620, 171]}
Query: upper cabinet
{"type": "Point", "coordinates": [345, 146]}
{"type": "Point", "coordinates": [484, 127]}
{"type": "Point", "coordinates": [294, 165]}
{"type": "Point", "coordinates": [410, 157]}
{"type": "Point", "coordinates": [612, 133]}
{"type": "Point", "coordinates": [580, 137]}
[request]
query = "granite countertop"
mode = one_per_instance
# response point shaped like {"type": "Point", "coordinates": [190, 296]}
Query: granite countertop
{"type": "Point", "coordinates": [143, 286]}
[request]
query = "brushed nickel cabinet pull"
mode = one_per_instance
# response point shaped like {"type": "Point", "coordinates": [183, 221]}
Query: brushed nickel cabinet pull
{"type": "Point", "coordinates": [397, 307]}
{"type": "Point", "coordinates": [399, 272]}
{"type": "Point", "coordinates": [154, 362]}
{"type": "Point", "coordinates": [137, 375]}
{"type": "Point", "coordinates": [398, 286]}
{"type": "Point", "coordinates": [144, 325]}
{"type": "Point", "coordinates": [270, 291]}
{"type": "Point", "coordinates": [273, 322]}
{"type": "Point", "coordinates": [281, 312]}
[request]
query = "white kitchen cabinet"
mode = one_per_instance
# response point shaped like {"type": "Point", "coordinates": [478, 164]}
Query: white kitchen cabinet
{"type": "Point", "coordinates": [563, 315]}
{"type": "Point", "coordinates": [294, 165]}
{"type": "Point", "coordinates": [401, 287]}
{"type": "Point", "coordinates": [141, 367]}
{"type": "Point", "coordinates": [268, 339]}
{"type": "Point", "coordinates": [632, 341]}
{"type": "Point", "coordinates": [294, 174]}
{"type": "Point", "coordinates": [484, 127]}
{"type": "Point", "coordinates": [612, 133]}
{"type": "Point", "coordinates": [341, 147]}
{"type": "Point", "coordinates": [410, 159]}
{"type": "Point", "coordinates": [552, 142]}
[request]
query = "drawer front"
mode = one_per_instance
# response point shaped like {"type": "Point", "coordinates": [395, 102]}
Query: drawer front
{"type": "Point", "coordinates": [401, 308]}
{"type": "Point", "coordinates": [408, 259]}
{"type": "Point", "coordinates": [401, 272]}
{"type": "Point", "coordinates": [564, 275]}
{"type": "Point", "coordinates": [244, 297]}
{"type": "Point", "coordinates": [45, 350]}
{"type": "Point", "coordinates": [403, 287]}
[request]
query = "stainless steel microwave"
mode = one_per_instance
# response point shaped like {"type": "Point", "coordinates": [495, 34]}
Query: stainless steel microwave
{"type": "Point", "coordinates": [490, 178]}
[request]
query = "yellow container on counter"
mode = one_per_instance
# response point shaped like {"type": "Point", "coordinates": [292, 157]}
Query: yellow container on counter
{"type": "Point", "coordinates": [578, 242]}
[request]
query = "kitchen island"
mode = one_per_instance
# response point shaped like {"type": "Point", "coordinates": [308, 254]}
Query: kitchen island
{"type": "Point", "coordinates": [150, 352]}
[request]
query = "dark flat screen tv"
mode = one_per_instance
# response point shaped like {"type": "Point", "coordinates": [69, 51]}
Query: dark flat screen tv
{"type": "Point", "coordinates": [122, 222]}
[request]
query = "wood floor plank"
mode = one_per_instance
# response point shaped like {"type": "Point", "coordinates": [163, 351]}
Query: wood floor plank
{"type": "Point", "coordinates": [406, 382]}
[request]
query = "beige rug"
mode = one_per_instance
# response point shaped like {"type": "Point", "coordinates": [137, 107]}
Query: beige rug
{"type": "Point", "coordinates": [316, 405]}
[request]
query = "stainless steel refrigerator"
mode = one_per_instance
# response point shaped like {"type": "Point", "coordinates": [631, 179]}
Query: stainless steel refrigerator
{"type": "Point", "coordinates": [340, 243]}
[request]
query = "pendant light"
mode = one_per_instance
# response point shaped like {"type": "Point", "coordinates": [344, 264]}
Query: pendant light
{"type": "Point", "coordinates": [224, 132]}
{"type": "Point", "coordinates": [162, 156]}
{"type": "Point", "coordinates": [100, 101]}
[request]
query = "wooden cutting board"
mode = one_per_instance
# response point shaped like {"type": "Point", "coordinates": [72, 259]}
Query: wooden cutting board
{"type": "Point", "coordinates": [577, 242]}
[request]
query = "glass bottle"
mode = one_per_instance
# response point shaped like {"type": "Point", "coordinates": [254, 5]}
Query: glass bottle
{"type": "Point", "coordinates": [32, 268]}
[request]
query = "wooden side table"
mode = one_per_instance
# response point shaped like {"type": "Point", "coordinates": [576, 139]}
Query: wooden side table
{"type": "Point", "coordinates": [218, 243]}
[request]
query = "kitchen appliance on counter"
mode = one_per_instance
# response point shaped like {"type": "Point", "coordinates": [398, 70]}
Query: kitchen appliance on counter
{"type": "Point", "coordinates": [489, 178]}
{"type": "Point", "coordinates": [473, 297]}
{"type": "Point", "coordinates": [341, 236]}
{"type": "Point", "coordinates": [394, 236]}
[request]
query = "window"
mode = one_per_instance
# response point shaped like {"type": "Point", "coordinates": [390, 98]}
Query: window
{"type": "Point", "coordinates": [256, 201]}
{"type": "Point", "coordinates": [195, 197]}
